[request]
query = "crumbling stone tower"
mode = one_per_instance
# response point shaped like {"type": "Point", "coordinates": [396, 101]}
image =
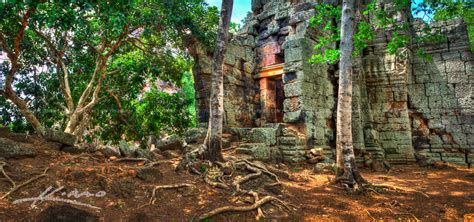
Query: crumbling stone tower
{"type": "Point", "coordinates": [280, 106]}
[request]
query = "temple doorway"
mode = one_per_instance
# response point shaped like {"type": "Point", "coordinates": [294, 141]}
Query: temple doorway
{"type": "Point", "coordinates": [272, 93]}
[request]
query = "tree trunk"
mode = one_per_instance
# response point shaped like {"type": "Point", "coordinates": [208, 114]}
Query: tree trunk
{"type": "Point", "coordinates": [346, 168]}
{"type": "Point", "coordinates": [13, 55]}
{"type": "Point", "coordinates": [23, 107]}
{"type": "Point", "coordinates": [214, 142]}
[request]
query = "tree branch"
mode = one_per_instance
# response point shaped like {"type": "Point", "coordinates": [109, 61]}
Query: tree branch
{"type": "Point", "coordinates": [8, 91]}
{"type": "Point", "coordinates": [99, 66]}
{"type": "Point", "coordinates": [120, 39]}
{"type": "Point", "coordinates": [21, 32]}
{"type": "Point", "coordinates": [63, 80]}
{"type": "Point", "coordinates": [95, 96]}
{"type": "Point", "coordinates": [4, 45]}
{"type": "Point", "coordinates": [100, 69]}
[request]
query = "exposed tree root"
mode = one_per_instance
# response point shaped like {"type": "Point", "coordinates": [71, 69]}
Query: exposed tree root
{"type": "Point", "coordinates": [370, 215]}
{"type": "Point", "coordinates": [254, 206]}
{"type": "Point", "coordinates": [260, 213]}
{"type": "Point", "coordinates": [397, 188]}
{"type": "Point", "coordinates": [240, 181]}
{"type": "Point", "coordinates": [215, 183]}
{"type": "Point", "coordinates": [16, 187]}
{"type": "Point", "coordinates": [349, 177]}
{"type": "Point", "coordinates": [218, 170]}
{"type": "Point", "coordinates": [257, 171]}
{"type": "Point", "coordinates": [189, 158]}
{"type": "Point", "coordinates": [262, 168]}
{"type": "Point", "coordinates": [154, 163]}
{"type": "Point", "coordinates": [130, 159]}
{"type": "Point", "coordinates": [279, 173]}
{"type": "Point", "coordinates": [171, 186]}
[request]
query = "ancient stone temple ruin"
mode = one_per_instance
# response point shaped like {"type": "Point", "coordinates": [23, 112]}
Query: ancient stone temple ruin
{"type": "Point", "coordinates": [280, 106]}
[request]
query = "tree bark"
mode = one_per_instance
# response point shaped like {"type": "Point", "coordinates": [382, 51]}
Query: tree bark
{"type": "Point", "coordinates": [79, 115]}
{"type": "Point", "coordinates": [13, 55]}
{"type": "Point", "coordinates": [346, 168]}
{"type": "Point", "coordinates": [214, 142]}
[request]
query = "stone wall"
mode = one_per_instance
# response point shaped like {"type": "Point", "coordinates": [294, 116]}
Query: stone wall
{"type": "Point", "coordinates": [401, 104]}
{"type": "Point", "coordinates": [240, 92]}
{"type": "Point", "coordinates": [441, 97]}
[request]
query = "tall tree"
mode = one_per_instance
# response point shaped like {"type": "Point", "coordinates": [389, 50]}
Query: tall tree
{"type": "Point", "coordinates": [345, 158]}
{"type": "Point", "coordinates": [92, 53]}
{"type": "Point", "coordinates": [11, 45]}
{"type": "Point", "coordinates": [214, 138]}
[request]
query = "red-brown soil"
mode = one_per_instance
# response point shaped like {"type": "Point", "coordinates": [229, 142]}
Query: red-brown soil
{"type": "Point", "coordinates": [423, 194]}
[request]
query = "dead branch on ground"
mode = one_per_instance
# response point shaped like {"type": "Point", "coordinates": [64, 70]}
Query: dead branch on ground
{"type": "Point", "coordinates": [215, 184]}
{"type": "Point", "coordinates": [131, 159]}
{"type": "Point", "coordinates": [16, 187]}
{"type": "Point", "coordinates": [397, 188]}
{"type": "Point", "coordinates": [254, 206]}
{"type": "Point", "coordinates": [171, 186]}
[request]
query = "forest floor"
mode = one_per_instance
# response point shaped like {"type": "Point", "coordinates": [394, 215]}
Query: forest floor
{"type": "Point", "coordinates": [424, 194]}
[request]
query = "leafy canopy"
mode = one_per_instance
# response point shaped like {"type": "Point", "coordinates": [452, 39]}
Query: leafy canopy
{"type": "Point", "coordinates": [373, 18]}
{"type": "Point", "coordinates": [83, 31]}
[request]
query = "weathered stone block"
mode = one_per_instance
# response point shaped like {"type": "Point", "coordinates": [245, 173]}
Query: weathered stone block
{"type": "Point", "coordinates": [259, 151]}
{"type": "Point", "coordinates": [435, 102]}
{"type": "Point", "coordinates": [457, 77]}
{"type": "Point", "coordinates": [256, 5]}
{"type": "Point", "coordinates": [273, 28]}
{"type": "Point", "coordinates": [126, 150]}
{"type": "Point", "coordinates": [249, 67]}
{"type": "Point", "coordinates": [293, 117]}
{"type": "Point", "coordinates": [432, 89]}
{"type": "Point", "coordinates": [264, 135]}
{"type": "Point", "coordinates": [298, 17]}
{"type": "Point", "coordinates": [291, 141]}
{"type": "Point", "coordinates": [422, 78]}
{"type": "Point", "coordinates": [292, 104]}
{"type": "Point", "coordinates": [293, 89]}
{"type": "Point", "coordinates": [294, 55]}
{"type": "Point", "coordinates": [229, 59]}
{"type": "Point", "coordinates": [195, 135]}
{"type": "Point", "coordinates": [60, 137]}
{"type": "Point", "coordinates": [12, 149]}
{"type": "Point", "coordinates": [172, 142]}
{"type": "Point", "coordinates": [454, 66]}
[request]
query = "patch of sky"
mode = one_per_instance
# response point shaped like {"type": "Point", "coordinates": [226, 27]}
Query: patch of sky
{"type": "Point", "coordinates": [242, 7]}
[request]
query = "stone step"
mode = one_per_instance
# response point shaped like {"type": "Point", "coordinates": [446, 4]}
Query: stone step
{"type": "Point", "coordinates": [291, 141]}
{"type": "Point", "coordinates": [289, 132]}
{"type": "Point", "coordinates": [291, 147]}
{"type": "Point", "coordinates": [296, 153]}
{"type": "Point", "coordinates": [264, 135]}
{"type": "Point", "coordinates": [259, 151]}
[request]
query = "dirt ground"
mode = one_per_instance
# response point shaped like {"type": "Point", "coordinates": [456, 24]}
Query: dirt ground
{"type": "Point", "coordinates": [417, 193]}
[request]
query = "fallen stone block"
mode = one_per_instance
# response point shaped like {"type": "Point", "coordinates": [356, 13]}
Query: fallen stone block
{"type": "Point", "coordinates": [195, 135]}
{"type": "Point", "coordinates": [12, 149]}
{"type": "Point", "coordinates": [61, 137]}
{"type": "Point", "coordinates": [149, 174]}
{"type": "Point", "coordinates": [172, 142]}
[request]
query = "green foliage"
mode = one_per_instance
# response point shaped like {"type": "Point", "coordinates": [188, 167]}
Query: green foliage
{"type": "Point", "coordinates": [155, 49]}
{"type": "Point", "coordinates": [234, 27]}
{"type": "Point", "coordinates": [470, 27]}
{"type": "Point", "coordinates": [187, 85]}
{"type": "Point", "coordinates": [375, 18]}
{"type": "Point", "coordinates": [439, 10]}
{"type": "Point", "coordinates": [398, 42]}
{"type": "Point", "coordinates": [159, 111]}
{"type": "Point", "coordinates": [326, 20]}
